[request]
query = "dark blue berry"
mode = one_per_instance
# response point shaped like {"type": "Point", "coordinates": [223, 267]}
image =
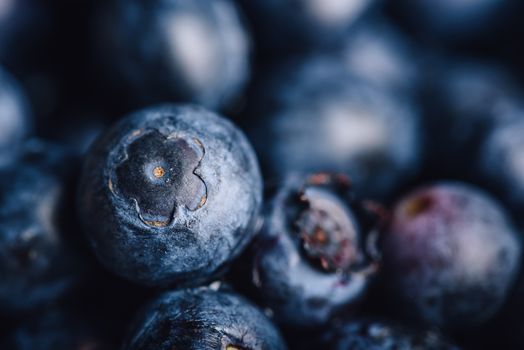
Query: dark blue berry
{"type": "Point", "coordinates": [378, 52]}
{"type": "Point", "coordinates": [202, 319]}
{"type": "Point", "coordinates": [451, 254]}
{"type": "Point", "coordinates": [315, 254]}
{"type": "Point", "coordinates": [169, 195]}
{"type": "Point", "coordinates": [15, 120]}
{"type": "Point", "coordinates": [454, 19]}
{"type": "Point", "coordinates": [24, 28]}
{"type": "Point", "coordinates": [320, 118]}
{"type": "Point", "coordinates": [58, 328]}
{"type": "Point", "coordinates": [464, 100]}
{"type": "Point", "coordinates": [40, 259]}
{"type": "Point", "coordinates": [183, 50]}
{"type": "Point", "coordinates": [381, 335]}
{"type": "Point", "coordinates": [302, 24]}
{"type": "Point", "coordinates": [502, 160]}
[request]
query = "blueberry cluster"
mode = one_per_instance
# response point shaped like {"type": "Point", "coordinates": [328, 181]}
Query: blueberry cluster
{"type": "Point", "coordinates": [261, 174]}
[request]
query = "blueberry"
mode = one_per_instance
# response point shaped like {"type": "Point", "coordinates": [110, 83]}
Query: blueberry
{"type": "Point", "coordinates": [315, 255]}
{"type": "Point", "coordinates": [502, 160]}
{"type": "Point", "coordinates": [454, 19]}
{"type": "Point", "coordinates": [382, 335]}
{"type": "Point", "coordinates": [58, 328]}
{"type": "Point", "coordinates": [202, 319]}
{"type": "Point", "coordinates": [187, 50]}
{"type": "Point", "coordinates": [451, 254]}
{"type": "Point", "coordinates": [302, 24]}
{"type": "Point", "coordinates": [23, 28]}
{"type": "Point", "coordinates": [464, 100]}
{"type": "Point", "coordinates": [15, 120]}
{"type": "Point", "coordinates": [170, 195]}
{"type": "Point", "coordinates": [321, 118]}
{"type": "Point", "coordinates": [377, 51]}
{"type": "Point", "coordinates": [40, 259]}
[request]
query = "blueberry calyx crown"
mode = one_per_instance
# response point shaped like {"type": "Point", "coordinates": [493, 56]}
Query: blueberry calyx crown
{"type": "Point", "coordinates": [330, 227]}
{"type": "Point", "coordinates": [158, 173]}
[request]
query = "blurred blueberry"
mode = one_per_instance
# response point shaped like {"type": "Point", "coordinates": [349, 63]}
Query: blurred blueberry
{"type": "Point", "coordinates": [502, 160]}
{"type": "Point", "coordinates": [382, 335]}
{"type": "Point", "coordinates": [23, 27]}
{"type": "Point", "coordinates": [463, 101]}
{"type": "Point", "coordinates": [170, 195]}
{"type": "Point", "coordinates": [451, 254]}
{"type": "Point", "coordinates": [378, 52]}
{"type": "Point", "coordinates": [40, 258]}
{"type": "Point", "coordinates": [202, 319]}
{"type": "Point", "coordinates": [292, 25]}
{"type": "Point", "coordinates": [314, 257]}
{"type": "Point", "coordinates": [15, 119]}
{"type": "Point", "coordinates": [315, 116]}
{"type": "Point", "coordinates": [58, 328]}
{"type": "Point", "coordinates": [452, 19]}
{"type": "Point", "coordinates": [175, 50]}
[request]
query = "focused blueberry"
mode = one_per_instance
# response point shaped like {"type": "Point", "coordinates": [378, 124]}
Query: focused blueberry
{"type": "Point", "coordinates": [453, 19]}
{"type": "Point", "coordinates": [451, 254]}
{"type": "Point", "coordinates": [502, 159]}
{"type": "Point", "coordinates": [321, 118]}
{"type": "Point", "coordinates": [315, 255]}
{"type": "Point", "coordinates": [299, 24]}
{"type": "Point", "coordinates": [40, 259]}
{"type": "Point", "coordinates": [382, 335]}
{"type": "Point", "coordinates": [463, 101]}
{"type": "Point", "coordinates": [202, 319]}
{"type": "Point", "coordinates": [183, 50]}
{"type": "Point", "coordinates": [170, 195]}
{"type": "Point", "coordinates": [15, 120]}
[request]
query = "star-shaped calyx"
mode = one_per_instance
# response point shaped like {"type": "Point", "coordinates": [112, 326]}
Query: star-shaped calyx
{"type": "Point", "coordinates": [159, 175]}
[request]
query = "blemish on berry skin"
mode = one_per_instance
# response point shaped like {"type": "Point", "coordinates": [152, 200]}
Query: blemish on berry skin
{"type": "Point", "coordinates": [110, 185]}
{"type": "Point", "coordinates": [136, 133]}
{"type": "Point", "coordinates": [418, 205]}
{"type": "Point", "coordinates": [233, 347]}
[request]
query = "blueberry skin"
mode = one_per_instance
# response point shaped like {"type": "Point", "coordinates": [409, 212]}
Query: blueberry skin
{"type": "Point", "coordinates": [170, 195]}
{"type": "Point", "coordinates": [451, 255]}
{"type": "Point", "coordinates": [39, 258]}
{"type": "Point", "coordinates": [303, 24]}
{"type": "Point", "coordinates": [202, 319]}
{"type": "Point", "coordinates": [15, 119]}
{"type": "Point", "coordinates": [183, 50]}
{"type": "Point", "coordinates": [315, 255]}
{"type": "Point", "coordinates": [501, 160]}
{"type": "Point", "coordinates": [382, 335]}
{"type": "Point", "coordinates": [321, 118]}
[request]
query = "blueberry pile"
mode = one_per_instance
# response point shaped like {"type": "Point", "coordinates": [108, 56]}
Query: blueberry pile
{"type": "Point", "coordinates": [261, 175]}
